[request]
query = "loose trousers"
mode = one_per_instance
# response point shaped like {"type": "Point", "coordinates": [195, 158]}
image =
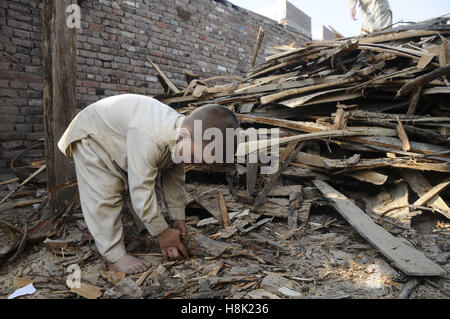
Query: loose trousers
{"type": "Point", "coordinates": [101, 186]}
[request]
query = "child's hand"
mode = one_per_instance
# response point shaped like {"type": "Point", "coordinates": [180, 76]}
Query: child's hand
{"type": "Point", "coordinates": [181, 226]}
{"type": "Point", "coordinates": [170, 244]}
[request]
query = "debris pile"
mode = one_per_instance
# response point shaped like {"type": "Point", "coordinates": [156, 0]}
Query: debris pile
{"type": "Point", "coordinates": [369, 107]}
{"type": "Point", "coordinates": [356, 207]}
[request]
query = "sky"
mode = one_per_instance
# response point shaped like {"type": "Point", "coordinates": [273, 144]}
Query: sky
{"type": "Point", "coordinates": [337, 13]}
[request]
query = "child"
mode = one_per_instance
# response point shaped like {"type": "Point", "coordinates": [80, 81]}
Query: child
{"type": "Point", "coordinates": [121, 143]}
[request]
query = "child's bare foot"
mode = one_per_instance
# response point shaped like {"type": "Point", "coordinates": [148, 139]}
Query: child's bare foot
{"type": "Point", "coordinates": [129, 265]}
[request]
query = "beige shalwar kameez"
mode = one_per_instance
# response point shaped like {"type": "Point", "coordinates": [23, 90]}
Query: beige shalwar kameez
{"type": "Point", "coordinates": [377, 14]}
{"type": "Point", "coordinates": [119, 142]}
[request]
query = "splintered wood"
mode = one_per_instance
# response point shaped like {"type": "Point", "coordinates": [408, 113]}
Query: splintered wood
{"type": "Point", "coordinates": [360, 107]}
{"type": "Point", "coordinates": [408, 259]}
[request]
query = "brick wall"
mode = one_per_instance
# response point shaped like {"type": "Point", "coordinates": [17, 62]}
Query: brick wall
{"type": "Point", "coordinates": [21, 120]}
{"type": "Point", "coordinates": [203, 36]}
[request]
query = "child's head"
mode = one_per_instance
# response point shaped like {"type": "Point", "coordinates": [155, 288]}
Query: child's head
{"type": "Point", "coordinates": [207, 135]}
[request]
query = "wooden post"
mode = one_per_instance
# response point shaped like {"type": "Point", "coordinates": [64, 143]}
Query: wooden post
{"type": "Point", "coordinates": [60, 84]}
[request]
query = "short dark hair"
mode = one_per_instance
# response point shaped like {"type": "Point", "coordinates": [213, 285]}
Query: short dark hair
{"type": "Point", "coordinates": [214, 116]}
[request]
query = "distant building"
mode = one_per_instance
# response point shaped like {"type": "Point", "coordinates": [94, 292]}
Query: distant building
{"type": "Point", "coordinates": [326, 34]}
{"type": "Point", "coordinates": [288, 14]}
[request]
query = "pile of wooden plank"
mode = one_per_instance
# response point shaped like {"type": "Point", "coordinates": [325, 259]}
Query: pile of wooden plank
{"type": "Point", "coordinates": [382, 98]}
{"type": "Point", "coordinates": [369, 115]}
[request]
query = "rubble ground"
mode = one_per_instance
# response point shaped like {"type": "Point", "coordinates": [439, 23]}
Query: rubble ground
{"type": "Point", "coordinates": [320, 261]}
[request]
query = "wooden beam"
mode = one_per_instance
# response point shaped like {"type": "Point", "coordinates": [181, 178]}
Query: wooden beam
{"type": "Point", "coordinates": [60, 91]}
{"type": "Point", "coordinates": [295, 204]}
{"type": "Point", "coordinates": [224, 211]}
{"type": "Point", "coordinates": [163, 78]}
{"type": "Point", "coordinates": [406, 146]}
{"type": "Point", "coordinates": [258, 45]}
{"type": "Point", "coordinates": [414, 100]}
{"type": "Point", "coordinates": [288, 156]}
{"type": "Point", "coordinates": [211, 208]}
{"type": "Point", "coordinates": [420, 185]}
{"type": "Point", "coordinates": [424, 79]}
{"type": "Point", "coordinates": [400, 35]}
{"type": "Point", "coordinates": [432, 193]}
{"type": "Point", "coordinates": [23, 183]}
{"type": "Point", "coordinates": [408, 259]}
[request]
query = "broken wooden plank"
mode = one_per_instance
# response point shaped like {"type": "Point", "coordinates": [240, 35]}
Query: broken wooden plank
{"type": "Point", "coordinates": [408, 287]}
{"type": "Point", "coordinates": [259, 40]}
{"type": "Point", "coordinates": [399, 36]}
{"type": "Point", "coordinates": [253, 146]}
{"type": "Point", "coordinates": [163, 76]}
{"type": "Point", "coordinates": [284, 190]}
{"type": "Point", "coordinates": [420, 185]}
{"type": "Point", "coordinates": [424, 79]}
{"type": "Point", "coordinates": [399, 162]}
{"type": "Point", "coordinates": [231, 216]}
{"type": "Point", "coordinates": [406, 146]}
{"type": "Point", "coordinates": [278, 96]}
{"type": "Point", "coordinates": [395, 145]}
{"type": "Point", "coordinates": [275, 177]}
{"type": "Point", "coordinates": [199, 245]}
{"type": "Point", "coordinates": [295, 204]}
{"type": "Point", "coordinates": [369, 177]}
{"type": "Point", "coordinates": [21, 203]}
{"type": "Point", "coordinates": [303, 214]}
{"type": "Point", "coordinates": [259, 223]}
{"type": "Point", "coordinates": [87, 291]}
{"type": "Point", "coordinates": [270, 242]}
{"type": "Point", "coordinates": [414, 101]}
{"type": "Point", "coordinates": [409, 260]}
{"type": "Point", "coordinates": [9, 181]}
{"type": "Point", "coordinates": [211, 208]}
{"type": "Point", "coordinates": [224, 211]}
{"type": "Point", "coordinates": [144, 276]}
{"type": "Point", "coordinates": [432, 193]}
{"type": "Point", "coordinates": [391, 205]}
{"type": "Point", "coordinates": [23, 183]}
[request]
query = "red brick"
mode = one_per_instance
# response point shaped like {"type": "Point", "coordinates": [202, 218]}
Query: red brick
{"type": "Point", "coordinates": [9, 75]}
{"type": "Point", "coordinates": [37, 127]}
{"type": "Point", "coordinates": [161, 25]}
{"type": "Point", "coordinates": [11, 145]}
{"type": "Point", "coordinates": [123, 88]}
{"type": "Point", "coordinates": [91, 84]}
{"type": "Point", "coordinates": [8, 93]}
{"type": "Point", "coordinates": [156, 53]}
{"type": "Point", "coordinates": [96, 27]}
{"type": "Point", "coordinates": [6, 127]}
{"type": "Point", "coordinates": [3, 84]}
{"type": "Point", "coordinates": [30, 78]}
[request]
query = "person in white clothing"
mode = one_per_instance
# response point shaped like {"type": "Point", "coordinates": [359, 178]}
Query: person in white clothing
{"type": "Point", "coordinates": [121, 143]}
{"type": "Point", "coordinates": [377, 14]}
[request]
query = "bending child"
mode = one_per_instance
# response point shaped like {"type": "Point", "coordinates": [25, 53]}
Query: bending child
{"type": "Point", "coordinates": [122, 143]}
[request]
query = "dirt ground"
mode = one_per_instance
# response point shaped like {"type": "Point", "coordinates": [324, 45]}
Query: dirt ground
{"type": "Point", "coordinates": [320, 259]}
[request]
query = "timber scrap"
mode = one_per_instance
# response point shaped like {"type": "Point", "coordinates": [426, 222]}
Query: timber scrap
{"type": "Point", "coordinates": [371, 108]}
